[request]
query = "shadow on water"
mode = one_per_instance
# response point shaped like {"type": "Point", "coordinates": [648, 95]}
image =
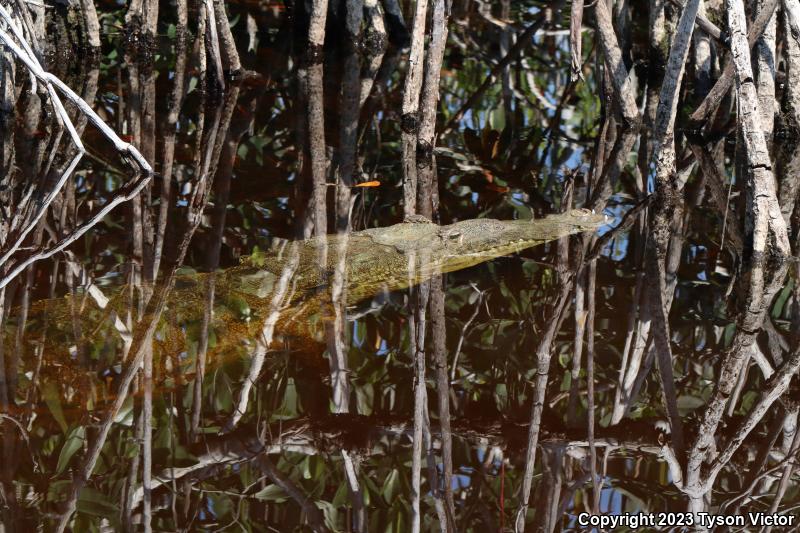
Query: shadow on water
{"type": "Point", "coordinates": [276, 294]}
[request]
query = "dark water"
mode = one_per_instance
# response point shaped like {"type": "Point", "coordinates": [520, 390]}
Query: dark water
{"type": "Point", "coordinates": [313, 428]}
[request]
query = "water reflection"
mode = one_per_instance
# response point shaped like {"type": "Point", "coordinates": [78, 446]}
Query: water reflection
{"type": "Point", "coordinates": [303, 317]}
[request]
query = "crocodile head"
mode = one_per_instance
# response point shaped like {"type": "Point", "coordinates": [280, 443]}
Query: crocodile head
{"type": "Point", "coordinates": [431, 249]}
{"type": "Point", "coordinates": [469, 242]}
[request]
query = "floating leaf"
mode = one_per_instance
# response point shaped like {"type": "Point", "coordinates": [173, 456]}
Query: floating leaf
{"type": "Point", "coordinates": [373, 183]}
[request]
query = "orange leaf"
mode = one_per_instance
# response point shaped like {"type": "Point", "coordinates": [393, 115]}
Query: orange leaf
{"type": "Point", "coordinates": [375, 183]}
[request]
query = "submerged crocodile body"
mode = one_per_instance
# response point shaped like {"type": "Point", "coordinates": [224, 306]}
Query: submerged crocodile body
{"type": "Point", "coordinates": [287, 290]}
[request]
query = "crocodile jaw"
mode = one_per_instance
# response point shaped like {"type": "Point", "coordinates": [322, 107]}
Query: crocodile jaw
{"type": "Point", "coordinates": [471, 242]}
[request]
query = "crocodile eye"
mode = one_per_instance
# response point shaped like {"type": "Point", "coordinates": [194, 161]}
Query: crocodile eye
{"type": "Point", "coordinates": [454, 237]}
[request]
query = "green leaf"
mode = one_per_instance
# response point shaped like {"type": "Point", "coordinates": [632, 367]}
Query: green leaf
{"type": "Point", "coordinates": [125, 414]}
{"type": "Point", "coordinates": [341, 496]}
{"type": "Point", "coordinates": [95, 503]}
{"type": "Point", "coordinates": [748, 399]}
{"type": "Point", "coordinates": [501, 396]}
{"type": "Point", "coordinates": [131, 449]}
{"type": "Point", "coordinates": [257, 258]}
{"type": "Point", "coordinates": [223, 400]}
{"type": "Point", "coordinates": [780, 301]}
{"type": "Point", "coordinates": [390, 485]}
{"type": "Point", "coordinates": [271, 493]}
{"type": "Point", "coordinates": [238, 306]}
{"type": "Point", "coordinates": [52, 397]}
{"type": "Point", "coordinates": [364, 399]}
{"type": "Point", "coordinates": [497, 118]}
{"type": "Point", "coordinates": [687, 403]}
{"type": "Point", "coordinates": [57, 490]}
{"type": "Point", "coordinates": [330, 513]}
{"type": "Point", "coordinates": [186, 271]}
{"type": "Point", "coordinates": [369, 488]}
{"type": "Point", "coordinates": [289, 408]}
{"type": "Point", "coordinates": [163, 437]}
{"type": "Point", "coordinates": [73, 443]}
{"type": "Point", "coordinates": [730, 329]}
{"type": "Point", "coordinates": [84, 523]}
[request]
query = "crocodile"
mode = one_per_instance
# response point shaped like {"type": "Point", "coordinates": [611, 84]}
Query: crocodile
{"type": "Point", "coordinates": [286, 290]}
{"type": "Point", "coordinates": [403, 255]}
